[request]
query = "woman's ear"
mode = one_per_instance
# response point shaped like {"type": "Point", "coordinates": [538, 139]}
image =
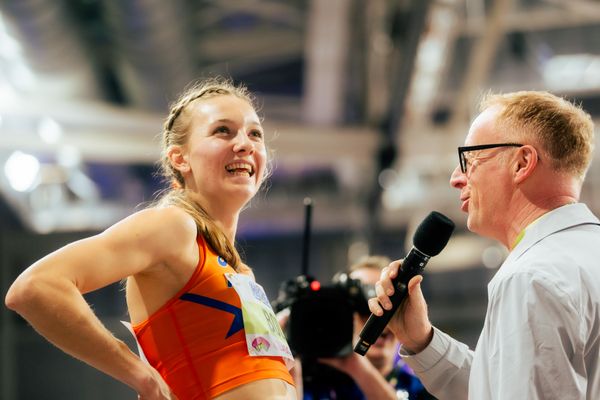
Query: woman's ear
{"type": "Point", "coordinates": [527, 160]}
{"type": "Point", "coordinates": [178, 159]}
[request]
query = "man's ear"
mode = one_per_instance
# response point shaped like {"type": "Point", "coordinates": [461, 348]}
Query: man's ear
{"type": "Point", "coordinates": [178, 159]}
{"type": "Point", "coordinates": [527, 160]}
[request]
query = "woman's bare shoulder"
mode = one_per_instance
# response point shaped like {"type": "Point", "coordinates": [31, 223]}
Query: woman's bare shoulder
{"type": "Point", "coordinates": [170, 220]}
{"type": "Point", "coordinates": [158, 229]}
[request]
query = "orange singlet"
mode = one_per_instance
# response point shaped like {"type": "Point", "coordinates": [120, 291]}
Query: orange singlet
{"type": "Point", "coordinates": [197, 342]}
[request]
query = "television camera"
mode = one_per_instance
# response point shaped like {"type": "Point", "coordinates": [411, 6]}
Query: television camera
{"type": "Point", "coordinates": [321, 318]}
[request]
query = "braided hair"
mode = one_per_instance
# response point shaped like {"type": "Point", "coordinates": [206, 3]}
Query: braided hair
{"type": "Point", "coordinates": [176, 133]}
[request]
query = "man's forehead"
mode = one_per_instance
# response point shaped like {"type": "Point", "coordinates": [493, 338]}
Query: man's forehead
{"type": "Point", "coordinates": [483, 128]}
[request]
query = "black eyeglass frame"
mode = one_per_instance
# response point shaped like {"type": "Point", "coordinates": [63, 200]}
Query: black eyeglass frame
{"type": "Point", "coordinates": [463, 149]}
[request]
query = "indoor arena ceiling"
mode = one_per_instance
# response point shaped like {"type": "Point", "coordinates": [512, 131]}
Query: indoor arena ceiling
{"type": "Point", "coordinates": [364, 101]}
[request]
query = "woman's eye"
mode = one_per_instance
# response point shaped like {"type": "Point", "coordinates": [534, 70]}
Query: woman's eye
{"type": "Point", "coordinates": [257, 134]}
{"type": "Point", "coordinates": [222, 129]}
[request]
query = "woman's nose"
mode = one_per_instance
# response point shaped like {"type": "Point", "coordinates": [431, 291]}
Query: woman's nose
{"type": "Point", "coordinates": [242, 143]}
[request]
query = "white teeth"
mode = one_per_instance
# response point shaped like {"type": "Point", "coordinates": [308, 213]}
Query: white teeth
{"type": "Point", "coordinates": [240, 168]}
{"type": "Point", "coordinates": [241, 173]}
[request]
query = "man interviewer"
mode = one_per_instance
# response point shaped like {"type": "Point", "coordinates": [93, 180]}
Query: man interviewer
{"type": "Point", "coordinates": [520, 175]}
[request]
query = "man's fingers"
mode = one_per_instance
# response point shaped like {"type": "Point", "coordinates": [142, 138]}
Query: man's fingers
{"type": "Point", "coordinates": [382, 294]}
{"type": "Point", "coordinates": [391, 270]}
{"type": "Point", "coordinates": [384, 288]}
{"type": "Point", "coordinates": [375, 307]}
{"type": "Point", "coordinates": [385, 285]}
{"type": "Point", "coordinates": [415, 283]}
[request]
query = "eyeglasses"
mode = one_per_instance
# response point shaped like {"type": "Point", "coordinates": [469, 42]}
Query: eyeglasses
{"type": "Point", "coordinates": [462, 159]}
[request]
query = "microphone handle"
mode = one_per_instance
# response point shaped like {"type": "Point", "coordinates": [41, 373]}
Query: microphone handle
{"type": "Point", "coordinates": [412, 265]}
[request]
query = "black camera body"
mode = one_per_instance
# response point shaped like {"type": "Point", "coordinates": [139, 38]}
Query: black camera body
{"type": "Point", "coordinates": [321, 320]}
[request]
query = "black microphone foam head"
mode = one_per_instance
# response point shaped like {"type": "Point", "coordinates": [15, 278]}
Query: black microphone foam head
{"type": "Point", "coordinates": [433, 234]}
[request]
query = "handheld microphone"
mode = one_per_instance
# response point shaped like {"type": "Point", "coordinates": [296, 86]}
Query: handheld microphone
{"type": "Point", "coordinates": [429, 240]}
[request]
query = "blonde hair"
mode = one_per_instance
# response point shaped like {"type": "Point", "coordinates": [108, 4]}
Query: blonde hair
{"type": "Point", "coordinates": [563, 130]}
{"type": "Point", "coordinates": [176, 133]}
{"type": "Point", "coordinates": [176, 126]}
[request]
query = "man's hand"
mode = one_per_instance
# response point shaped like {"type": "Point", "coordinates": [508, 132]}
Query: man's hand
{"type": "Point", "coordinates": [410, 324]}
{"type": "Point", "coordinates": [349, 364]}
{"type": "Point", "coordinates": [367, 377]}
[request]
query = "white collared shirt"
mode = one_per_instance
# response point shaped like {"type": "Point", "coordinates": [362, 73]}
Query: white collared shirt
{"type": "Point", "coordinates": [541, 335]}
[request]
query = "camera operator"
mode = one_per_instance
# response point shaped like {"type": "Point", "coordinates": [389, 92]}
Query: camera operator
{"type": "Point", "coordinates": [379, 375]}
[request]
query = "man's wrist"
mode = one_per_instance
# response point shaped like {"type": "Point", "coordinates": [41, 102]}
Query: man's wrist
{"type": "Point", "coordinates": [417, 347]}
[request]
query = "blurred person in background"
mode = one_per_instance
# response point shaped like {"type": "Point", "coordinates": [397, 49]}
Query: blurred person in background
{"type": "Point", "coordinates": [380, 375]}
{"type": "Point", "coordinates": [205, 327]}
{"type": "Point", "coordinates": [520, 176]}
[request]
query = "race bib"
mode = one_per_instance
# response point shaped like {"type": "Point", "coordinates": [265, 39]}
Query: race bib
{"type": "Point", "coordinates": [264, 336]}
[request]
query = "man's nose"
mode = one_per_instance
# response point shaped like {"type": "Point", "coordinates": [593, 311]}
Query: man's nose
{"type": "Point", "coordinates": [458, 179]}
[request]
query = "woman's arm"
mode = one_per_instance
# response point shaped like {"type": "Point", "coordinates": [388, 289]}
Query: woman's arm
{"type": "Point", "coordinates": [49, 294]}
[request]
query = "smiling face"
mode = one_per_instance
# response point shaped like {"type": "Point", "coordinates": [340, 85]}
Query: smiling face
{"type": "Point", "coordinates": [224, 158]}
